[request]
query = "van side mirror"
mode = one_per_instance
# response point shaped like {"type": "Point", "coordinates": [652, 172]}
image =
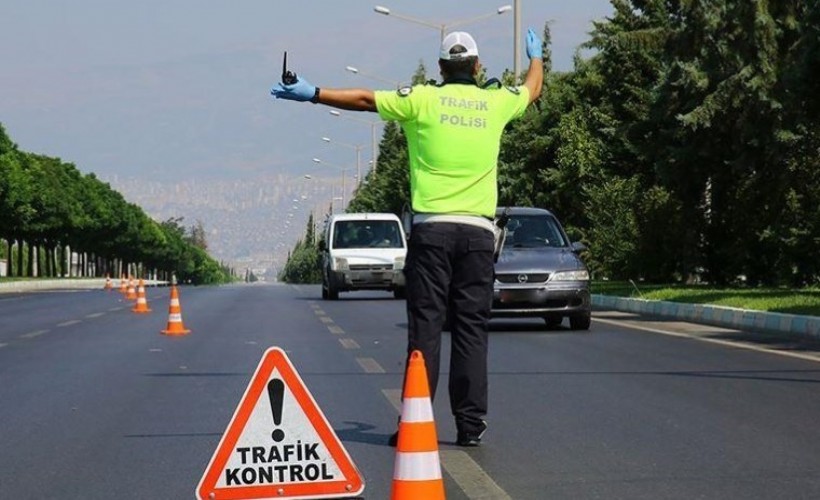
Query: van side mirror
{"type": "Point", "coordinates": [322, 245]}
{"type": "Point", "coordinates": [578, 247]}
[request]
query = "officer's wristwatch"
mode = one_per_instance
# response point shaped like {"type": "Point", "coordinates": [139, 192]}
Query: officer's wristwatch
{"type": "Point", "coordinates": [315, 98]}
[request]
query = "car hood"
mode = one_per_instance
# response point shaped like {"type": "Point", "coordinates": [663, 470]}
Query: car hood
{"type": "Point", "coordinates": [513, 260]}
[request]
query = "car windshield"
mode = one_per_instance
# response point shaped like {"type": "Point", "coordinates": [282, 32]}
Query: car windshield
{"type": "Point", "coordinates": [367, 234]}
{"type": "Point", "coordinates": [533, 231]}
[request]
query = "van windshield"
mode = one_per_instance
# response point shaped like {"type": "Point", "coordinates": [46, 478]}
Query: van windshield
{"type": "Point", "coordinates": [367, 234]}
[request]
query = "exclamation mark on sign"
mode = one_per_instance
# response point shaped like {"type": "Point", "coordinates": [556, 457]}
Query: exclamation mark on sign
{"type": "Point", "coordinates": [276, 392]}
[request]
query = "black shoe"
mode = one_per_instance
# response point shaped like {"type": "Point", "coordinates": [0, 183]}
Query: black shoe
{"type": "Point", "coordinates": [471, 438]}
{"type": "Point", "coordinates": [393, 441]}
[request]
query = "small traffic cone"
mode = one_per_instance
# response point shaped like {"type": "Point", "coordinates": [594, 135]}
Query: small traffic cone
{"type": "Point", "coordinates": [175, 325]}
{"type": "Point", "coordinates": [132, 291]}
{"type": "Point", "coordinates": [108, 285]}
{"type": "Point", "coordinates": [417, 469]}
{"type": "Point", "coordinates": [142, 303]}
{"type": "Point", "coordinates": [123, 285]}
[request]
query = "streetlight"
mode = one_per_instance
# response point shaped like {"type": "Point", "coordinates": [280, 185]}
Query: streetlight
{"type": "Point", "coordinates": [517, 39]}
{"type": "Point", "coordinates": [378, 78]}
{"type": "Point", "coordinates": [358, 150]}
{"type": "Point", "coordinates": [442, 27]}
{"type": "Point", "coordinates": [372, 123]}
{"type": "Point", "coordinates": [343, 169]}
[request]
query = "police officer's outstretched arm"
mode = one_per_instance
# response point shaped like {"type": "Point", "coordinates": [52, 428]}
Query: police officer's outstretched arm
{"type": "Point", "coordinates": [535, 74]}
{"type": "Point", "coordinates": [303, 91]}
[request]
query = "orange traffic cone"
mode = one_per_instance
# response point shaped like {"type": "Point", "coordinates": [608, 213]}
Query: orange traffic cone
{"type": "Point", "coordinates": [123, 285]}
{"type": "Point", "coordinates": [417, 469]}
{"type": "Point", "coordinates": [142, 303]}
{"type": "Point", "coordinates": [132, 291]}
{"type": "Point", "coordinates": [175, 325]}
{"type": "Point", "coordinates": [108, 285]}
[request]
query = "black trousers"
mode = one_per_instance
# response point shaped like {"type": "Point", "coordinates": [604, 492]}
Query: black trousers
{"type": "Point", "coordinates": [449, 271]}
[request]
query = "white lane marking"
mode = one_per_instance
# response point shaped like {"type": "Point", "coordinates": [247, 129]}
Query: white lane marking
{"type": "Point", "coordinates": [319, 312]}
{"type": "Point", "coordinates": [69, 323]}
{"type": "Point", "coordinates": [31, 335]}
{"type": "Point", "coordinates": [370, 365]}
{"type": "Point", "coordinates": [394, 396]}
{"type": "Point", "coordinates": [325, 319]}
{"type": "Point", "coordinates": [469, 476]}
{"type": "Point", "coordinates": [3, 345]}
{"type": "Point", "coordinates": [155, 349]}
{"type": "Point", "coordinates": [349, 344]}
{"type": "Point", "coordinates": [94, 315]}
{"type": "Point", "coordinates": [335, 329]}
{"type": "Point", "coordinates": [114, 309]}
{"type": "Point", "coordinates": [725, 343]}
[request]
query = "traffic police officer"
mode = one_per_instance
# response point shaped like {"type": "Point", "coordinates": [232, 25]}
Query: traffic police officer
{"type": "Point", "coordinates": [453, 133]}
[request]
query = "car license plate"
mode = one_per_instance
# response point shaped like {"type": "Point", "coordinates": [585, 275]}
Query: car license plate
{"type": "Point", "coordinates": [508, 296]}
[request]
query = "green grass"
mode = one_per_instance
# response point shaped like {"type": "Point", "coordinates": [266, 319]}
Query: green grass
{"type": "Point", "coordinates": [791, 301]}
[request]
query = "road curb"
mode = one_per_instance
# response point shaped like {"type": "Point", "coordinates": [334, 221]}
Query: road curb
{"type": "Point", "coordinates": [64, 284]}
{"type": "Point", "coordinates": [729, 317]}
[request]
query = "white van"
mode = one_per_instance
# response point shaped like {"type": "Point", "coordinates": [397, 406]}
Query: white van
{"type": "Point", "coordinates": [363, 251]}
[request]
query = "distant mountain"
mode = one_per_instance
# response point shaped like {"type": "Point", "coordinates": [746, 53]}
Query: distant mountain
{"type": "Point", "coordinates": [250, 223]}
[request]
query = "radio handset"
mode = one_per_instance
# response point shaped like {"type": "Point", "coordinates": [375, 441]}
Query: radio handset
{"type": "Point", "coordinates": [288, 77]}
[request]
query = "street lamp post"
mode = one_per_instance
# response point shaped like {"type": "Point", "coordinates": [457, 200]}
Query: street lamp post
{"type": "Point", "coordinates": [372, 123]}
{"type": "Point", "coordinates": [358, 150]}
{"type": "Point", "coordinates": [442, 27]}
{"type": "Point", "coordinates": [344, 171]}
{"type": "Point", "coordinates": [517, 39]}
{"type": "Point", "coordinates": [378, 78]}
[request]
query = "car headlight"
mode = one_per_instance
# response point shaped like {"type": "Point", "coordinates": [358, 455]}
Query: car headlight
{"type": "Point", "coordinates": [340, 264]}
{"type": "Point", "coordinates": [398, 263]}
{"type": "Point", "coordinates": [581, 275]}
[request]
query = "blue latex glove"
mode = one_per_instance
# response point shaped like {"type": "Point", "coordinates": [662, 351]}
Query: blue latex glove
{"type": "Point", "coordinates": [535, 49]}
{"type": "Point", "coordinates": [300, 91]}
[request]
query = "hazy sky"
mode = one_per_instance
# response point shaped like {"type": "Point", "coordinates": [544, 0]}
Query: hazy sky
{"type": "Point", "coordinates": [179, 89]}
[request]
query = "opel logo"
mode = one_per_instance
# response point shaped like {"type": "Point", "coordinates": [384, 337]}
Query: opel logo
{"type": "Point", "coordinates": [523, 278]}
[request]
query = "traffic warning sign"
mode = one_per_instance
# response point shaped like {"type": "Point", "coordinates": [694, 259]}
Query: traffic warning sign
{"type": "Point", "coordinates": [279, 444]}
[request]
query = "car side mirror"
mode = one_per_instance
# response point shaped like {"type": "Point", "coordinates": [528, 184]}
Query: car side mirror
{"type": "Point", "coordinates": [578, 247]}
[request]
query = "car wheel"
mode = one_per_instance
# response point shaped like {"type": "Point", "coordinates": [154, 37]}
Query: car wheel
{"type": "Point", "coordinates": [580, 322]}
{"type": "Point", "coordinates": [553, 321]}
{"type": "Point", "coordinates": [399, 294]}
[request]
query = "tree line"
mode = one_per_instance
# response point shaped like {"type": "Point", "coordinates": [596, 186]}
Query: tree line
{"type": "Point", "coordinates": [683, 146]}
{"type": "Point", "coordinates": [49, 212]}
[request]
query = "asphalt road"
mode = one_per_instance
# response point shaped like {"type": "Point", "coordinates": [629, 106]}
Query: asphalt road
{"type": "Point", "coordinates": [96, 404]}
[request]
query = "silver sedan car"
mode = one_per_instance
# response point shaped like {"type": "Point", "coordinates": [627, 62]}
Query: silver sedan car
{"type": "Point", "coordinates": [539, 273]}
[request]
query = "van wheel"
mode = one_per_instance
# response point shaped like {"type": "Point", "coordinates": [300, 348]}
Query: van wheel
{"type": "Point", "coordinates": [332, 292]}
{"type": "Point", "coordinates": [324, 292]}
{"type": "Point", "coordinates": [580, 322]}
